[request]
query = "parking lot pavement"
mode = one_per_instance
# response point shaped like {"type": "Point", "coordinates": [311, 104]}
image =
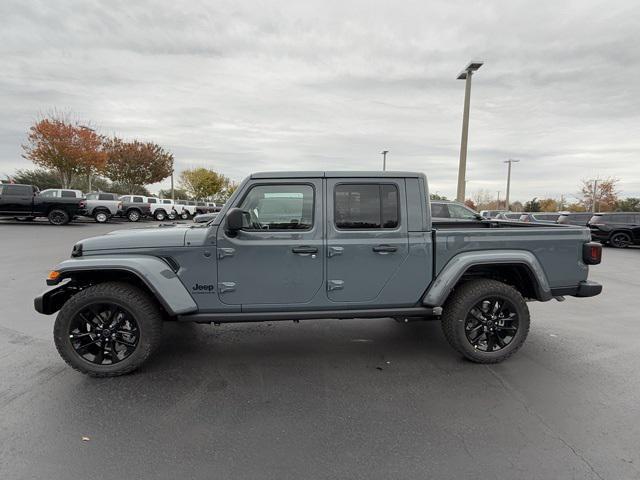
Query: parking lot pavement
{"type": "Point", "coordinates": [322, 399]}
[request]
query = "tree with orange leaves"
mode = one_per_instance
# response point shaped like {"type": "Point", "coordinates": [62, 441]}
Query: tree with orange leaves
{"type": "Point", "coordinates": [66, 147]}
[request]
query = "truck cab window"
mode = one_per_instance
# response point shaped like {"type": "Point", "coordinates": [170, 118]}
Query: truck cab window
{"type": "Point", "coordinates": [366, 206]}
{"type": "Point", "coordinates": [279, 207]}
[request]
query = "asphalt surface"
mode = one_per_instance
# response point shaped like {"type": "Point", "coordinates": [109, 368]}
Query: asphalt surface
{"type": "Point", "coordinates": [369, 399]}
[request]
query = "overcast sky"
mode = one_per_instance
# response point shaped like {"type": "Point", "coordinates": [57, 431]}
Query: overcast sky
{"type": "Point", "coordinates": [245, 86]}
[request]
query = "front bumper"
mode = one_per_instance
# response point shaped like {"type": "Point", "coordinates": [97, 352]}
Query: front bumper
{"type": "Point", "coordinates": [52, 300]}
{"type": "Point", "coordinates": [599, 235]}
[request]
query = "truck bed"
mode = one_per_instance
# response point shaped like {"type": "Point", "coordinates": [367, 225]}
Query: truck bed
{"type": "Point", "coordinates": [557, 247]}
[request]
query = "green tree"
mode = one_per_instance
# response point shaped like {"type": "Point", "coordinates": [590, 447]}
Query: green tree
{"type": "Point", "coordinates": [435, 196]}
{"type": "Point", "coordinates": [203, 183]}
{"type": "Point", "coordinates": [136, 164]}
{"type": "Point", "coordinates": [178, 193]}
{"type": "Point", "coordinates": [532, 205]}
{"type": "Point", "coordinates": [630, 204]}
{"type": "Point", "coordinates": [40, 177]}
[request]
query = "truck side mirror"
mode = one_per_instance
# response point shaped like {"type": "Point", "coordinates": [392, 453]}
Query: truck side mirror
{"type": "Point", "coordinates": [234, 220]}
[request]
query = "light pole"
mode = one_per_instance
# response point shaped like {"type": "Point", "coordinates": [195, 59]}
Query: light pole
{"type": "Point", "coordinates": [384, 159]}
{"type": "Point", "coordinates": [510, 161]}
{"type": "Point", "coordinates": [465, 75]}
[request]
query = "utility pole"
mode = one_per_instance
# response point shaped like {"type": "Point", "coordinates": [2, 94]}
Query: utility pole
{"type": "Point", "coordinates": [173, 197]}
{"type": "Point", "coordinates": [465, 75]}
{"type": "Point", "coordinates": [510, 161]}
{"type": "Point", "coordinates": [384, 159]}
{"type": "Point", "coordinates": [498, 206]}
{"type": "Point", "coordinates": [595, 197]}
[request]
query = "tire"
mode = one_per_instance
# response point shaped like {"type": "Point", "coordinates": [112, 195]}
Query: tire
{"type": "Point", "coordinates": [172, 216]}
{"type": "Point", "coordinates": [127, 298]}
{"type": "Point", "coordinates": [160, 215]}
{"type": "Point", "coordinates": [620, 240]}
{"type": "Point", "coordinates": [185, 215]}
{"type": "Point", "coordinates": [133, 215]}
{"type": "Point", "coordinates": [101, 216]}
{"type": "Point", "coordinates": [57, 216]}
{"type": "Point", "coordinates": [461, 311]}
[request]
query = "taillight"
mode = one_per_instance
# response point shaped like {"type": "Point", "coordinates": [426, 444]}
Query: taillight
{"type": "Point", "coordinates": [592, 253]}
{"type": "Point", "coordinates": [120, 206]}
{"type": "Point", "coordinates": [82, 204]}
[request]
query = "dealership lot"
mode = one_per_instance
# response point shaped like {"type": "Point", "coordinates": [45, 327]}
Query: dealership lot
{"type": "Point", "coordinates": [322, 399]}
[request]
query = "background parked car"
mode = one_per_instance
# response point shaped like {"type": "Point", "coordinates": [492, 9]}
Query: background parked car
{"type": "Point", "coordinates": [539, 217]}
{"type": "Point", "coordinates": [205, 217]}
{"type": "Point", "coordinates": [491, 213]}
{"type": "Point", "coordinates": [101, 206]}
{"type": "Point", "coordinates": [508, 216]}
{"type": "Point", "coordinates": [164, 209]}
{"type": "Point", "coordinates": [580, 219]}
{"type": "Point", "coordinates": [25, 201]}
{"type": "Point", "coordinates": [134, 207]}
{"type": "Point", "coordinates": [618, 229]}
{"type": "Point", "coordinates": [452, 212]}
{"type": "Point", "coordinates": [61, 193]}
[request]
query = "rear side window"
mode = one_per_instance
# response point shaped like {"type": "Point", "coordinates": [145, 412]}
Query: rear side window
{"type": "Point", "coordinates": [279, 207]}
{"type": "Point", "coordinates": [439, 210]}
{"type": "Point", "coordinates": [49, 194]}
{"type": "Point", "coordinates": [22, 190]}
{"type": "Point", "coordinates": [458, 211]}
{"type": "Point", "coordinates": [137, 199]}
{"type": "Point", "coordinates": [106, 196]}
{"type": "Point", "coordinates": [68, 194]}
{"type": "Point", "coordinates": [151, 200]}
{"type": "Point", "coordinates": [366, 206]}
{"type": "Point", "coordinates": [166, 202]}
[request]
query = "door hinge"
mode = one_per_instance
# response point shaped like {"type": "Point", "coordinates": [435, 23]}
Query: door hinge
{"type": "Point", "coordinates": [226, 252]}
{"type": "Point", "coordinates": [335, 285]}
{"type": "Point", "coordinates": [224, 287]}
{"type": "Point", "coordinates": [333, 251]}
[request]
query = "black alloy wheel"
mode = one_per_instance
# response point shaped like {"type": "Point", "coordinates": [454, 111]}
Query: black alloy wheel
{"type": "Point", "coordinates": [104, 334]}
{"type": "Point", "coordinates": [491, 324]}
{"type": "Point", "coordinates": [620, 240]}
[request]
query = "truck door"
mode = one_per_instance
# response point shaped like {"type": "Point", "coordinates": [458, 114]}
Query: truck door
{"type": "Point", "coordinates": [278, 258]}
{"type": "Point", "coordinates": [16, 199]}
{"type": "Point", "coordinates": [367, 239]}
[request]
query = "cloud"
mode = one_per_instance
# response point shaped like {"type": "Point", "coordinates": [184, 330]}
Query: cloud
{"type": "Point", "coordinates": [240, 87]}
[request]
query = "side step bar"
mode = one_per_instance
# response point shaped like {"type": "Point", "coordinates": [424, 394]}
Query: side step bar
{"type": "Point", "coordinates": [309, 314]}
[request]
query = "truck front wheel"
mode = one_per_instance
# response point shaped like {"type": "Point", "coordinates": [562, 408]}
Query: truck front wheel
{"type": "Point", "coordinates": [485, 320]}
{"type": "Point", "coordinates": [108, 329]}
{"type": "Point", "coordinates": [133, 215]}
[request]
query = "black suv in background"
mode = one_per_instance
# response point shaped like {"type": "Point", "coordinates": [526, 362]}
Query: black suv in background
{"type": "Point", "coordinates": [618, 229]}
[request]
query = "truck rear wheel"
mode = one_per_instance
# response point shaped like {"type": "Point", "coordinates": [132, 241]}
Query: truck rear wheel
{"type": "Point", "coordinates": [620, 240]}
{"type": "Point", "coordinates": [160, 215]}
{"type": "Point", "coordinates": [108, 329]}
{"type": "Point", "coordinates": [57, 216]}
{"type": "Point", "coordinates": [486, 321]}
{"type": "Point", "coordinates": [185, 215]}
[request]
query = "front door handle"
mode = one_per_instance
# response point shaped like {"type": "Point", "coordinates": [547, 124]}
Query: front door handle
{"type": "Point", "coordinates": [384, 249]}
{"type": "Point", "coordinates": [305, 250]}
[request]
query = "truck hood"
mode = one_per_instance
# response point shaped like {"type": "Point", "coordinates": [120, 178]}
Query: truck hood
{"type": "Point", "coordinates": [137, 238]}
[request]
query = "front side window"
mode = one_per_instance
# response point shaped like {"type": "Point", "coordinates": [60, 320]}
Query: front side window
{"type": "Point", "coordinates": [151, 200]}
{"type": "Point", "coordinates": [49, 194]}
{"type": "Point", "coordinates": [439, 210]}
{"type": "Point", "coordinates": [279, 207]}
{"type": "Point", "coordinates": [366, 206]}
{"type": "Point", "coordinates": [137, 199]}
{"type": "Point", "coordinates": [166, 202]}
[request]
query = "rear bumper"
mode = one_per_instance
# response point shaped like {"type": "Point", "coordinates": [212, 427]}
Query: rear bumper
{"type": "Point", "coordinates": [586, 288]}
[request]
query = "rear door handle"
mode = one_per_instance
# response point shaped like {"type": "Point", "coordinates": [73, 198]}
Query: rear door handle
{"type": "Point", "coordinates": [384, 249]}
{"type": "Point", "coordinates": [304, 250]}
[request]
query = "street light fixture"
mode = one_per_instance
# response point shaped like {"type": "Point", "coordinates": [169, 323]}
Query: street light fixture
{"type": "Point", "coordinates": [510, 161]}
{"type": "Point", "coordinates": [384, 159]}
{"type": "Point", "coordinates": [465, 75]}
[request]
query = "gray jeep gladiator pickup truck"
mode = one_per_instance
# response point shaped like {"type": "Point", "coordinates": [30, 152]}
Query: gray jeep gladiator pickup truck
{"type": "Point", "coordinates": [291, 246]}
